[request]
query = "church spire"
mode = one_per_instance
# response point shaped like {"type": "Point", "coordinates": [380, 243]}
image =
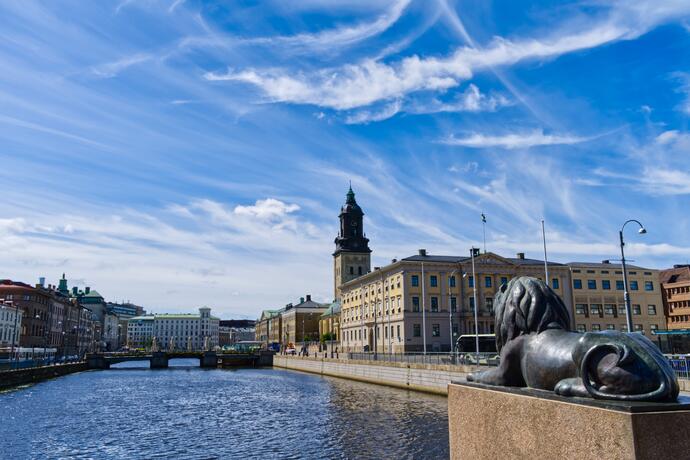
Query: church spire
{"type": "Point", "coordinates": [351, 237]}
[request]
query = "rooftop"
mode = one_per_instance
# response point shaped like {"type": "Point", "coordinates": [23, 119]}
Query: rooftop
{"type": "Point", "coordinates": [604, 265]}
{"type": "Point", "coordinates": [675, 275]}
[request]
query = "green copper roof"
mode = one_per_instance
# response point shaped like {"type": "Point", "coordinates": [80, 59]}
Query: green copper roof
{"type": "Point", "coordinates": [142, 318]}
{"type": "Point", "coordinates": [333, 309]}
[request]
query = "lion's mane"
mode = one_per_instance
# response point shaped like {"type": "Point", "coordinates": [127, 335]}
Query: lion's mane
{"type": "Point", "coordinates": [527, 305]}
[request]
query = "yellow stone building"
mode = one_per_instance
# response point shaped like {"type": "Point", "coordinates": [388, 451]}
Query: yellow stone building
{"type": "Point", "coordinates": [269, 326]}
{"type": "Point", "coordinates": [329, 323]}
{"type": "Point", "coordinates": [300, 322]}
{"type": "Point", "coordinates": [429, 300]}
{"type": "Point", "coordinates": [598, 298]}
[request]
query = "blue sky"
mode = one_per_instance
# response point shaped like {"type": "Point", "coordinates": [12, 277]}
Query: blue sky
{"type": "Point", "coordinates": [178, 153]}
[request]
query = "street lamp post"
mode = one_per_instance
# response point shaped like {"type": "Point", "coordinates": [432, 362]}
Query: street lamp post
{"type": "Point", "coordinates": [626, 295]}
{"type": "Point", "coordinates": [474, 291]}
{"type": "Point", "coordinates": [450, 310]}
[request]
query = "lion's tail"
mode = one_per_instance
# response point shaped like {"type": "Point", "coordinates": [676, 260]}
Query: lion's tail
{"type": "Point", "coordinates": [668, 384]}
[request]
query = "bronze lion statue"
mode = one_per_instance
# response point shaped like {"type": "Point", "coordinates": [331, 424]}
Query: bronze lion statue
{"type": "Point", "coordinates": [539, 350]}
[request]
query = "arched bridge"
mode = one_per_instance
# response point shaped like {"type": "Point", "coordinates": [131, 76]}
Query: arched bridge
{"type": "Point", "coordinates": [160, 359]}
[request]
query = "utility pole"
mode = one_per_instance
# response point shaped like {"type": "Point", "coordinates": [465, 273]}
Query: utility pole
{"type": "Point", "coordinates": [546, 264]}
{"type": "Point", "coordinates": [474, 286]}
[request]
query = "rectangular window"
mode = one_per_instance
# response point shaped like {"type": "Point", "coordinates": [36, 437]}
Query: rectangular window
{"type": "Point", "coordinates": [591, 284]}
{"type": "Point", "coordinates": [435, 330]}
{"type": "Point", "coordinates": [651, 309]}
{"type": "Point", "coordinates": [415, 304]}
{"type": "Point", "coordinates": [470, 281]}
{"type": "Point", "coordinates": [634, 286]}
{"type": "Point", "coordinates": [489, 303]}
{"type": "Point", "coordinates": [596, 327]}
{"type": "Point", "coordinates": [433, 281]}
{"type": "Point", "coordinates": [610, 309]}
{"type": "Point", "coordinates": [653, 327]}
{"type": "Point", "coordinates": [638, 328]}
{"type": "Point", "coordinates": [504, 280]}
{"type": "Point", "coordinates": [487, 281]}
{"type": "Point", "coordinates": [416, 330]}
{"type": "Point", "coordinates": [595, 308]}
{"type": "Point", "coordinates": [414, 280]}
{"type": "Point", "coordinates": [580, 309]}
{"type": "Point", "coordinates": [434, 304]}
{"type": "Point", "coordinates": [619, 285]}
{"type": "Point", "coordinates": [398, 331]}
{"type": "Point", "coordinates": [581, 328]}
{"type": "Point", "coordinates": [606, 285]}
{"type": "Point", "coordinates": [471, 303]}
{"type": "Point", "coordinates": [453, 304]}
{"type": "Point", "coordinates": [636, 310]}
{"type": "Point", "coordinates": [577, 284]}
{"type": "Point", "coordinates": [649, 285]}
{"type": "Point", "coordinates": [555, 283]}
{"type": "Point", "coordinates": [611, 327]}
{"type": "Point", "coordinates": [451, 281]}
{"type": "Point", "coordinates": [456, 329]}
{"type": "Point", "coordinates": [621, 310]}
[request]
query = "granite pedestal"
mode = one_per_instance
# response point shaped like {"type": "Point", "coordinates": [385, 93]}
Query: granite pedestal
{"type": "Point", "coordinates": [488, 422]}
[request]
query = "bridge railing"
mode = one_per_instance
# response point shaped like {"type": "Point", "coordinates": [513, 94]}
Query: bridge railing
{"type": "Point", "coordinates": [681, 366]}
{"type": "Point", "coordinates": [459, 359]}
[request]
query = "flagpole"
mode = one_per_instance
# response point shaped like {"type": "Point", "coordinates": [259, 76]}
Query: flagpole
{"type": "Point", "coordinates": [546, 264]}
{"type": "Point", "coordinates": [484, 230]}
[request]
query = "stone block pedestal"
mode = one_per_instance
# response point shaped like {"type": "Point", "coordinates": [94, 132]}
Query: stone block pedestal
{"type": "Point", "coordinates": [159, 360]}
{"type": "Point", "coordinates": [488, 422]}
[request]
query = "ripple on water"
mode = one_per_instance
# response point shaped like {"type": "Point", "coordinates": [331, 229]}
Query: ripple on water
{"type": "Point", "coordinates": [201, 414]}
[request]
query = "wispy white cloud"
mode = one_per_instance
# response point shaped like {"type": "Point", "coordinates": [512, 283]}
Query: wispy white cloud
{"type": "Point", "coordinates": [175, 4]}
{"type": "Point", "coordinates": [112, 69]}
{"type": "Point", "coordinates": [368, 116]}
{"type": "Point", "coordinates": [345, 35]}
{"type": "Point", "coordinates": [470, 100]}
{"type": "Point", "coordinates": [521, 140]}
{"type": "Point", "coordinates": [361, 84]}
{"type": "Point", "coordinates": [684, 89]}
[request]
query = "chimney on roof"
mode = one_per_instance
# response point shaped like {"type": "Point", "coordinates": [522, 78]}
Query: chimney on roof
{"type": "Point", "coordinates": [308, 297]}
{"type": "Point", "coordinates": [422, 252]}
{"type": "Point", "coordinates": [301, 300]}
{"type": "Point", "coordinates": [521, 255]}
{"type": "Point", "coordinates": [87, 290]}
{"type": "Point", "coordinates": [42, 281]}
{"type": "Point", "coordinates": [606, 261]}
{"type": "Point", "coordinates": [394, 261]}
{"type": "Point", "coordinates": [74, 290]}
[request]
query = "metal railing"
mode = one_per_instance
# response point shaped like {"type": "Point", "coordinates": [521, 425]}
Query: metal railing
{"type": "Point", "coordinates": [681, 366]}
{"type": "Point", "coordinates": [459, 359]}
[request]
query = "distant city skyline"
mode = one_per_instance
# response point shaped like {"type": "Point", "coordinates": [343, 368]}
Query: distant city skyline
{"type": "Point", "coordinates": [177, 154]}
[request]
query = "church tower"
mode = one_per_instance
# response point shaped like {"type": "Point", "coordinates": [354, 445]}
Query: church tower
{"type": "Point", "coordinates": [352, 256]}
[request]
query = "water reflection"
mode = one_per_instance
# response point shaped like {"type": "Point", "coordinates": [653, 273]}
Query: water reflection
{"type": "Point", "coordinates": [187, 412]}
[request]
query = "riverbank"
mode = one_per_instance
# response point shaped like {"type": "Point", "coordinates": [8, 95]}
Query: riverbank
{"type": "Point", "coordinates": [428, 378]}
{"type": "Point", "coordinates": [16, 377]}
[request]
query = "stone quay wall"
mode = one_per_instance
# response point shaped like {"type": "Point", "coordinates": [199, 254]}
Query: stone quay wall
{"type": "Point", "coordinates": [429, 378]}
{"type": "Point", "coordinates": [12, 378]}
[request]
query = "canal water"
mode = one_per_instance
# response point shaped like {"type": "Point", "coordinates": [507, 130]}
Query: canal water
{"type": "Point", "coordinates": [185, 412]}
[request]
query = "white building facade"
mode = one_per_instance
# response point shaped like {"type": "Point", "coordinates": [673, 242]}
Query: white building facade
{"type": "Point", "coordinates": [181, 331]}
{"type": "Point", "coordinates": [140, 331]}
{"type": "Point", "coordinates": [10, 324]}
